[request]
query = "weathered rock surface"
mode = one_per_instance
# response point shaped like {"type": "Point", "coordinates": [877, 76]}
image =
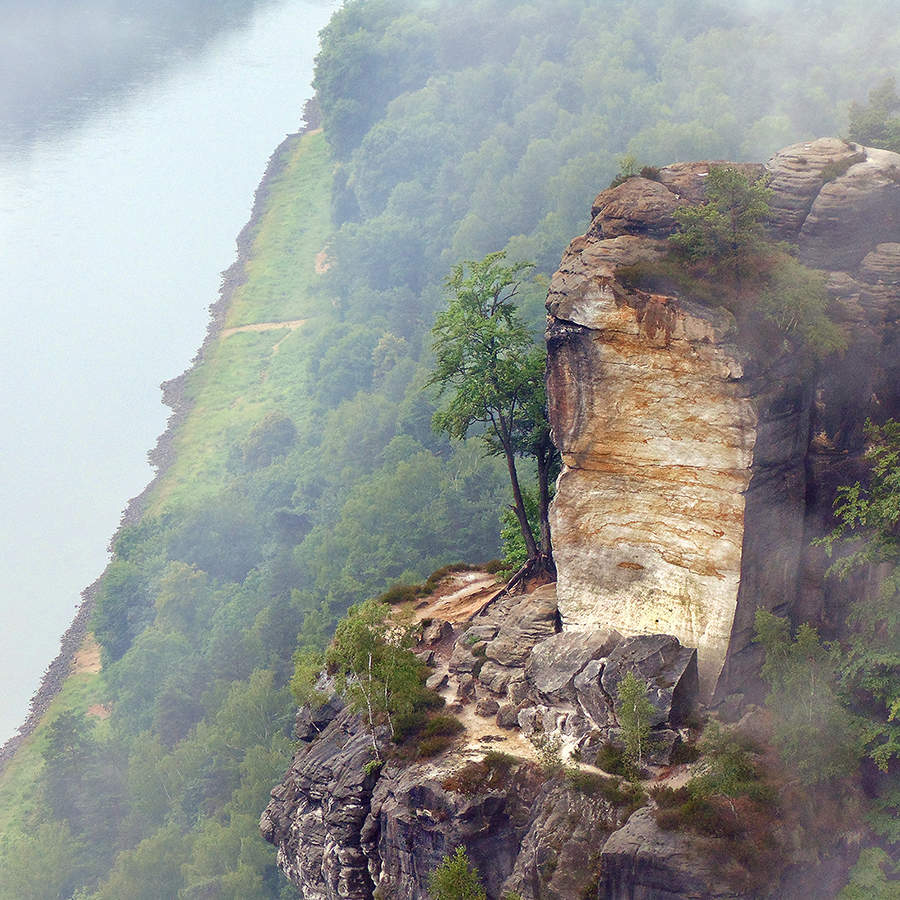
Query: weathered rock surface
{"type": "Point", "coordinates": [669, 670]}
{"type": "Point", "coordinates": [528, 621]}
{"type": "Point", "coordinates": [554, 663]}
{"type": "Point", "coordinates": [689, 490]}
{"type": "Point", "coordinates": [315, 817]}
{"type": "Point", "coordinates": [796, 175]}
{"type": "Point", "coordinates": [342, 833]}
{"type": "Point", "coordinates": [639, 206]}
{"type": "Point", "coordinates": [558, 855]}
{"type": "Point", "coordinates": [414, 823]}
{"type": "Point", "coordinates": [640, 861]}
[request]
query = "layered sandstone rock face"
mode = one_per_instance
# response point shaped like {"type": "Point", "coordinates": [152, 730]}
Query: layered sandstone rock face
{"type": "Point", "coordinates": [682, 505]}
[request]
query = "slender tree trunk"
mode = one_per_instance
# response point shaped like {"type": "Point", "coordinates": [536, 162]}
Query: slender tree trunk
{"type": "Point", "coordinates": [519, 507]}
{"type": "Point", "coordinates": [367, 694]}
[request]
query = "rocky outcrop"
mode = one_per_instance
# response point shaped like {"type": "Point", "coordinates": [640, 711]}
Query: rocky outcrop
{"type": "Point", "coordinates": [316, 816]}
{"type": "Point", "coordinates": [690, 487]}
{"type": "Point", "coordinates": [695, 473]}
{"type": "Point", "coordinates": [641, 861]}
{"type": "Point", "coordinates": [347, 830]}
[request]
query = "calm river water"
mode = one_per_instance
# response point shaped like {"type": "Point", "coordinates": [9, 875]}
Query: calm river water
{"type": "Point", "coordinates": [113, 232]}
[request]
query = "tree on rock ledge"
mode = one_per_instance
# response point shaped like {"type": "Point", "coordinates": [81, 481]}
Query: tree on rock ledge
{"type": "Point", "coordinates": [485, 357]}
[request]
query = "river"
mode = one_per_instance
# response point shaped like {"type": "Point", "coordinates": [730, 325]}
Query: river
{"type": "Point", "coordinates": [113, 232]}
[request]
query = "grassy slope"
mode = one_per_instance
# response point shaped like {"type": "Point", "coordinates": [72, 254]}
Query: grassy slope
{"type": "Point", "coordinates": [18, 782]}
{"type": "Point", "coordinates": [247, 374]}
{"type": "Point", "coordinates": [239, 381]}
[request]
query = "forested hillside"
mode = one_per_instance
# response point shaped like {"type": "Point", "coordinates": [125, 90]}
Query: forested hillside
{"type": "Point", "coordinates": [303, 474]}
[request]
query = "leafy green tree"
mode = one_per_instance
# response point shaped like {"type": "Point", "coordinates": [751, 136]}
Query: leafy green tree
{"type": "Point", "coordinates": [869, 521]}
{"type": "Point", "coordinates": [150, 870]}
{"type": "Point", "coordinates": [485, 355]}
{"type": "Point", "coordinates": [868, 535]}
{"type": "Point", "coordinates": [46, 864]}
{"type": "Point", "coordinates": [456, 879]}
{"type": "Point", "coordinates": [878, 123]}
{"type": "Point", "coordinates": [122, 608]}
{"type": "Point", "coordinates": [727, 229]}
{"type": "Point", "coordinates": [373, 665]}
{"type": "Point", "coordinates": [67, 754]}
{"type": "Point", "coordinates": [814, 731]}
{"type": "Point", "coordinates": [634, 711]}
{"type": "Point", "coordinates": [726, 767]}
{"type": "Point", "coordinates": [308, 665]}
{"type": "Point", "coordinates": [254, 712]}
{"type": "Point", "coordinates": [874, 877]}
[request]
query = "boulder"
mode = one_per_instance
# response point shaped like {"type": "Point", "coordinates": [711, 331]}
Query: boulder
{"type": "Point", "coordinates": [669, 669]}
{"type": "Point", "coordinates": [487, 707]}
{"type": "Point", "coordinates": [596, 704]}
{"type": "Point", "coordinates": [796, 175]}
{"type": "Point", "coordinates": [640, 861]}
{"type": "Point", "coordinates": [496, 678]}
{"type": "Point", "coordinates": [436, 632]}
{"type": "Point", "coordinates": [637, 206]}
{"type": "Point", "coordinates": [554, 663]}
{"type": "Point", "coordinates": [508, 716]}
{"type": "Point", "coordinates": [476, 633]}
{"type": "Point", "coordinates": [687, 180]}
{"type": "Point", "coordinates": [311, 721]}
{"type": "Point", "coordinates": [462, 660]}
{"type": "Point", "coordinates": [851, 209]}
{"type": "Point", "coordinates": [465, 687]}
{"type": "Point", "coordinates": [529, 619]}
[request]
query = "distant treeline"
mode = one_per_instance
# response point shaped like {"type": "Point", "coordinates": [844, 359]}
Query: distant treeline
{"type": "Point", "coordinates": [306, 475]}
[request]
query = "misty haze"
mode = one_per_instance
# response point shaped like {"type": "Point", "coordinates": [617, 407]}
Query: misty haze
{"type": "Point", "coordinates": [525, 520]}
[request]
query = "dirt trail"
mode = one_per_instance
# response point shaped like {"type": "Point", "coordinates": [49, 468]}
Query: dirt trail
{"type": "Point", "coordinates": [263, 326]}
{"type": "Point", "coordinates": [87, 657]}
{"type": "Point", "coordinates": [459, 597]}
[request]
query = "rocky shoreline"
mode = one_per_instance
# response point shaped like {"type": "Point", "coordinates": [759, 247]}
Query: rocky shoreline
{"type": "Point", "coordinates": [162, 455]}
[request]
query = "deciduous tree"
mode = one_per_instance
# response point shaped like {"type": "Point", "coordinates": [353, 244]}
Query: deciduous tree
{"type": "Point", "coordinates": [486, 359]}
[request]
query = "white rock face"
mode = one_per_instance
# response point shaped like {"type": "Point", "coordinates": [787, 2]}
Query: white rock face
{"type": "Point", "coordinates": [657, 442]}
{"type": "Point", "coordinates": [681, 504]}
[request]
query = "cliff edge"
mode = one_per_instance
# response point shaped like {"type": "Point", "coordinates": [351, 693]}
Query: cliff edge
{"type": "Point", "coordinates": [696, 471]}
{"type": "Point", "coordinates": [693, 473]}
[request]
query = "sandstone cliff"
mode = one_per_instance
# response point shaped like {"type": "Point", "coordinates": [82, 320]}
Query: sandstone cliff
{"type": "Point", "coordinates": [343, 831]}
{"type": "Point", "coordinates": [695, 474]}
{"type": "Point", "coordinates": [695, 471]}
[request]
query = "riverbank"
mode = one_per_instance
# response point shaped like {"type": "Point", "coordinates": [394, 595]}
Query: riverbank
{"type": "Point", "coordinates": [162, 455]}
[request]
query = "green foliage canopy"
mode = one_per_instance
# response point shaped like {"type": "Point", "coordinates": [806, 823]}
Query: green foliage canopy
{"type": "Point", "coordinates": [816, 734]}
{"type": "Point", "coordinates": [634, 711]}
{"type": "Point", "coordinates": [456, 879]}
{"type": "Point", "coordinates": [877, 124]}
{"type": "Point", "coordinates": [485, 354]}
{"type": "Point", "coordinates": [373, 665]}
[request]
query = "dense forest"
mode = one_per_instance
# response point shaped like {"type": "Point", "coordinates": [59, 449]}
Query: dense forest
{"type": "Point", "coordinates": [304, 474]}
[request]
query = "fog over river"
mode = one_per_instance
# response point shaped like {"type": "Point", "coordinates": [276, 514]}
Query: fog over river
{"type": "Point", "coordinates": [120, 200]}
